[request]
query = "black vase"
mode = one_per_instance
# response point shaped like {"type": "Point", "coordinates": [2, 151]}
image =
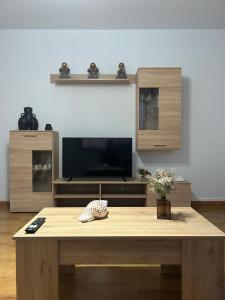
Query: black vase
{"type": "Point", "coordinates": [48, 127]}
{"type": "Point", "coordinates": [22, 122]}
{"type": "Point", "coordinates": [28, 120]}
{"type": "Point", "coordinates": [34, 123]}
{"type": "Point", "coordinates": [29, 115]}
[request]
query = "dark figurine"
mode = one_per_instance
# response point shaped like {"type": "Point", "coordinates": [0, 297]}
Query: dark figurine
{"type": "Point", "coordinates": [121, 73]}
{"type": "Point", "coordinates": [93, 71]}
{"type": "Point", "coordinates": [64, 71]}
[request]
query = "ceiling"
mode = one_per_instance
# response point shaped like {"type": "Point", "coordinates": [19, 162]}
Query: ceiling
{"type": "Point", "coordinates": [112, 14]}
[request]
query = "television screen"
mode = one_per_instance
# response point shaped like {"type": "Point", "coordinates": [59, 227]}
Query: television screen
{"type": "Point", "coordinates": [96, 157]}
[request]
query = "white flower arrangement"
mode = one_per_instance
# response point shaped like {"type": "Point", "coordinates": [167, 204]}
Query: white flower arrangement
{"type": "Point", "coordinates": [162, 182]}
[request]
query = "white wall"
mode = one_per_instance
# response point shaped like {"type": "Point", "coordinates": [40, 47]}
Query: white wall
{"type": "Point", "coordinates": [28, 57]}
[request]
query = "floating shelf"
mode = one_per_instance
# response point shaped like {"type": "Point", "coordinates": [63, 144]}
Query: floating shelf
{"type": "Point", "coordinates": [83, 79]}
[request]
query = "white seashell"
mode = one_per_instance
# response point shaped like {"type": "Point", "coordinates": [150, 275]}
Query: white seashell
{"type": "Point", "coordinates": [96, 209]}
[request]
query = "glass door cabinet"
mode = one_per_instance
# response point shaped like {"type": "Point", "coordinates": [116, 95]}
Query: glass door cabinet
{"type": "Point", "coordinates": [158, 108]}
{"type": "Point", "coordinates": [33, 166]}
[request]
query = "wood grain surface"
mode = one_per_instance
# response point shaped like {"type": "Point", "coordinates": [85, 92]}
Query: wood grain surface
{"type": "Point", "coordinates": [22, 144]}
{"type": "Point", "coordinates": [118, 251]}
{"type": "Point", "coordinates": [37, 270]}
{"type": "Point", "coordinates": [90, 281]}
{"type": "Point", "coordinates": [168, 134]}
{"type": "Point", "coordinates": [203, 269]}
{"type": "Point", "coordinates": [129, 222]}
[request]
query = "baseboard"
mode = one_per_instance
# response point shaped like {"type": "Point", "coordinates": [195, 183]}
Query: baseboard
{"type": "Point", "coordinates": [208, 202]}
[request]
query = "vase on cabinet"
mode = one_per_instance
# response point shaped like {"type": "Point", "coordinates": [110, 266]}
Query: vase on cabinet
{"type": "Point", "coordinates": [28, 120]}
{"type": "Point", "coordinates": [22, 122]}
{"type": "Point", "coordinates": [34, 123]}
{"type": "Point", "coordinates": [163, 208]}
{"type": "Point", "coordinates": [48, 127]}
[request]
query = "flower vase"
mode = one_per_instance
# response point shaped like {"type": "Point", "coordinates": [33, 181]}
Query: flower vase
{"type": "Point", "coordinates": [163, 209]}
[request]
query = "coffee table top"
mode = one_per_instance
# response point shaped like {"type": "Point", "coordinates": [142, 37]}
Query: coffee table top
{"type": "Point", "coordinates": [122, 222]}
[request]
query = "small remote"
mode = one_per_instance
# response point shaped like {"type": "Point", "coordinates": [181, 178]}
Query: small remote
{"type": "Point", "coordinates": [33, 227]}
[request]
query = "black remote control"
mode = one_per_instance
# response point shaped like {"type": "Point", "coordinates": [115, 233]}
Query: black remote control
{"type": "Point", "coordinates": [33, 227]}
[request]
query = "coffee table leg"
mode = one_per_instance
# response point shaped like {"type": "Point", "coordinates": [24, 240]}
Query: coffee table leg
{"type": "Point", "coordinates": [203, 269]}
{"type": "Point", "coordinates": [170, 269]}
{"type": "Point", "coordinates": [67, 270]}
{"type": "Point", "coordinates": [37, 270]}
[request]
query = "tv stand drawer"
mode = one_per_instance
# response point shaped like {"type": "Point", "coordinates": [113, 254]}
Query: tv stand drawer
{"type": "Point", "coordinates": [123, 188]}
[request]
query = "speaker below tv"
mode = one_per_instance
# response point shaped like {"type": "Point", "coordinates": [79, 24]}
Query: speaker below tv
{"type": "Point", "coordinates": [96, 157]}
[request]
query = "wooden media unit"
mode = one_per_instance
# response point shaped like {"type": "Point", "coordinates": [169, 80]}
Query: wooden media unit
{"type": "Point", "coordinates": [132, 192]}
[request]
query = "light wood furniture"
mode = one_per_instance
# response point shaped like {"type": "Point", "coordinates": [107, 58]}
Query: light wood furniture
{"type": "Point", "coordinates": [117, 191]}
{"type": "Point", "coordinates": [127, 236]}
{"type": "Point", "coordinates": [33, 165]}
{"type": "Point", "coordinates": [158, 108]}
{"type": "Point", "coordinates": [180, 196]}
{"type": "Point", "coordinates": [158, 104]}
{"type": "Point", "coordinates": [133, 192]}
{"type": "Point", "coordinates": [135, 282]}
{"type": "Point", "coordinates": [83, 79]}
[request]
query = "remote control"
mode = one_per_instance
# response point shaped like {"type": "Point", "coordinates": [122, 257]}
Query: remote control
{"type": "Point", "coordinates": [33, 227]}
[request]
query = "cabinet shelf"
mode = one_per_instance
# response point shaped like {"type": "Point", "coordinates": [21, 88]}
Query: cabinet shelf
{"type": "Point", "coordinates": [76, 196]}
{"type": "Point", "coordinates": [124, 196]}
{"type": "Point", "coordinates": [63, 181]}
{"type": "Point", "coordinates": [83, 79]}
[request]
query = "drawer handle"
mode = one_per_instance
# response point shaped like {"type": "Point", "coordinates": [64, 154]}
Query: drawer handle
{"type": "Point", "coordinates": [30, 135]}
{"type": "Point", "coordinates": [159, 145]}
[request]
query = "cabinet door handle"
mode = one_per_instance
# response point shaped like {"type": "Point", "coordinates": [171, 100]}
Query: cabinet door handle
{"type": "Point", "coordinates": [30, 135]}
{"type": "Point", "coordinates": [159, 145]}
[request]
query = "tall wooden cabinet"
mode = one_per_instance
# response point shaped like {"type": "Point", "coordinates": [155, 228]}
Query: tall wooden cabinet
{"type": "Point", "coordinates": [158, 108]}
{"type": "Point", "coordinates": [33, 167]}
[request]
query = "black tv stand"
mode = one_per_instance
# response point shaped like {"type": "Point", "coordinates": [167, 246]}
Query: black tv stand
{"type": "Point", "coordinates": [69, 179]}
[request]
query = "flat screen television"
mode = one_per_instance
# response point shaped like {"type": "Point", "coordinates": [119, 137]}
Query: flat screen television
{"type": "Point", "coordinates": [96, 157]}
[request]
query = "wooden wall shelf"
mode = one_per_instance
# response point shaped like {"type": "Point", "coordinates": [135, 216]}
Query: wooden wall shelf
{"type": "Point", "coordinates": [83, 79]}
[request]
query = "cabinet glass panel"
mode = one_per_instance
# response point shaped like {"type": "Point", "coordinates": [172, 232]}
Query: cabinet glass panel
{"type": "Point", "coordinates": [149, 108]}
{"type": "Point", "coordinates": [42, 171]}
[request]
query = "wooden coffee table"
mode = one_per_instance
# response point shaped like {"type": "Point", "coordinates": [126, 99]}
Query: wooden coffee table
{"type": "Point", "coordinates": [128, 236]}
